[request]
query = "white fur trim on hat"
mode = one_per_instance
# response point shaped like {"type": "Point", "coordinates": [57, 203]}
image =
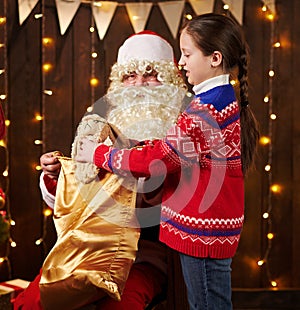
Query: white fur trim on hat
{"type": "Point", "coordinates": [145, 47]}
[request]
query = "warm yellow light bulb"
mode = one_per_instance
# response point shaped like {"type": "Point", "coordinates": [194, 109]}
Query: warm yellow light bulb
{"type": "Point", "coordinates": [264, 8]}
{"type": "Point", "coordinates": [271, 73]}
{"type": "Point", "coordinates": [38, 142]}
{"type": "Point", "coordinates": [266, 99]}
{"type": "Point", "coordinates": [277, 44]}
{"type": "Point", "coordinates": [226, 7]}
{"type": "Point", "coordinates": [274, 283]}
{"type": "Point", "coordinates": [47, 212]}
{"type": "Point", "coordinates": [266, 215]}
{"type": "Point", "coordinates": [188, 16]}
{"type": "Point", "coordinates": [7, 122]}
{"type": "Point", "coordinates": [92, 29]}
{"type": "Point", "coordinates": [270, 16]}
{"type": "Point", "coordinates": [98, 4]}
{"type": "Point", "coordinates": [47, 41]}
{"type": "Point", "coordinates": [38, 117]}
{"type": "Point", "coordinates": [13, 244]}
{"type": "Point", "coordinates": [2, 143]}
{"type": "Point", "coordinates": [39, 241]}
{"type": "Point", "coordinates": [270, 236]}
{"type": "Point", "coordinates": [94, 82]}
{"type": "Point", "coordinates": [267, 167]}
{"type": "Point", "coordinates": [264, 140]}
{"type": "Point", "coordinates": [94, 55]}
{"type": "Point", "coordinates": [12, 222]}
{"type": "Point", "coordinates": [48, 92]}
{"type": "Point", "coordinates": [2, 96]}
{"type": "Point", "coordinates": [37, 16]}
{"type": "Point", "coordinates": [47, 67]}
{"type": "Point", "coordinates": [273, 116]}
{"type": "Point", "coordinates": [38, 168]}
{"type": "Point", "coordinates": [233, 82]}
{"type": "Point", "coordinates": [276, 188]}
{"type": "Point", "coordinates": [260, 262]}
{"type": "Point", "coordinates": [5, 173]}
{"type": "Point", "coordinates": [2, 20]}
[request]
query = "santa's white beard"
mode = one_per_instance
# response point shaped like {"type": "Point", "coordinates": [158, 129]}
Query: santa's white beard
{"type": "Point", "coordinates": [143, 112]}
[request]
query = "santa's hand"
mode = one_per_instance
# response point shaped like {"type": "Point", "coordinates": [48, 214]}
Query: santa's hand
{"type": "Point", "coordinates": [85, 153]}
{"type": "Point", "coordinates": [50, 164]}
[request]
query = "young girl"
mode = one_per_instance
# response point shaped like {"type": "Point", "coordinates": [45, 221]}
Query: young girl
{"type": "Point", "coordinates": [205, 157]}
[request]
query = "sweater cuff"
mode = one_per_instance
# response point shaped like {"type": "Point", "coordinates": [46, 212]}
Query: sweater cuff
{"type": "Point", "coordinates": [47, 194]}
{"type": "Point", "coordinates": [102, 157]}
{"type": "Point", "coordinates": [50, 184]}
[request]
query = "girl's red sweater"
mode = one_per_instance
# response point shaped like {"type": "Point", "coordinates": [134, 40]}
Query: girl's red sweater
{"type": "Point", "coordinates": [202, 210]}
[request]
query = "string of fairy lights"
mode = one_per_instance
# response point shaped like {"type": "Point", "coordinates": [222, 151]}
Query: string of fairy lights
{"type": "Point", "coordinates": [6, 219]}
{"type": "Point", "coordinates": [266, 141]}
{"type": "Point", "coordinates": [47, 44]}
{"type": "Point", "coordinates": [94, 81]}
{"type": "Point", "coordinates": [39, 116]}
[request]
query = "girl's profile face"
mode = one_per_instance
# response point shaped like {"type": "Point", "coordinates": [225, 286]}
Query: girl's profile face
{"type": "Point", "coordinates": [197, 66]}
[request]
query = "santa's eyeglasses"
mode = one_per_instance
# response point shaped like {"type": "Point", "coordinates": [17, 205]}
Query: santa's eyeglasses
{"type": "Point", "coordinates": [146, 79]}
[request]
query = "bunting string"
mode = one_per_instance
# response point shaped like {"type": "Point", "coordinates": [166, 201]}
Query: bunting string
{"type": "Point", "coordinates": [138, 12]}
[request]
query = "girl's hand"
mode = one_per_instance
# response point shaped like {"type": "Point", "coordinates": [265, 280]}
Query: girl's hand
{"type": "Point", "coordinates": [86, 151]}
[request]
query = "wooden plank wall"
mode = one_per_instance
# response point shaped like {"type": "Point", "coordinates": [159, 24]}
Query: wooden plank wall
{"type": "Point", "coordinates": [294, 81]}
{"type": "Point", "coordinates": [72, 94]}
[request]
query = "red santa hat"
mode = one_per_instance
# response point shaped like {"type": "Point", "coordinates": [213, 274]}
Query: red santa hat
{"type": "Point", "coordinates": [145, 45]}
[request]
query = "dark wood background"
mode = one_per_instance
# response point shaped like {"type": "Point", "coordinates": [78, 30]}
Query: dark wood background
{"type": "Point", "coordinates": [72, 94]}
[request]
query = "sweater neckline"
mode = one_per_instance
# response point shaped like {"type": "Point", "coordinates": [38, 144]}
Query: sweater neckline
{"type": "Point", "coordinates": [211, 83]}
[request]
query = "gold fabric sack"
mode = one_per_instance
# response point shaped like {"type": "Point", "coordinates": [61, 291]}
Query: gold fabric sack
{"type": "Point", "coordinates": [97, 239]}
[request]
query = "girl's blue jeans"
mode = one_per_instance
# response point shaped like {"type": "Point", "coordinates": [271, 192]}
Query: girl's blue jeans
{"type": "Point", "coordinates": [208, 282]}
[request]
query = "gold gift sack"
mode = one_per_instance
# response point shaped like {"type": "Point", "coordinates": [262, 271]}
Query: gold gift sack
{"type": "Point", "coordinates": [97, 239]}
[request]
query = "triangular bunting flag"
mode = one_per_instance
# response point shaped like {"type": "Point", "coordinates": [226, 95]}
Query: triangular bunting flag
{"type": "Point", "coordinates": [66, 11]}
{"type": "Point", "coordinates": [202, 6]}
{"type": "Point", "coordinates": [236, 7]}
{"type": "Point", "coordinates": [271, 5]}
{"type": "Point", "coordinates": [25, 8]}
{"type": "Point", "coordinates": [138, 14]}
{"type": "Point", "coordinates": [172, 11]}
{"type": "Point", "coordinates": [103, 14]}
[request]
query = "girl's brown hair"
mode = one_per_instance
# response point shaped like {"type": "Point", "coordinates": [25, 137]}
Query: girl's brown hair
{"type": "Point", "coordinates": [215, 32]}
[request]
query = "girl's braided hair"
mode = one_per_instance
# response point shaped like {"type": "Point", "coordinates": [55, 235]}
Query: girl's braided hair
{"type": "Point", "coordinates": [215, 32]}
